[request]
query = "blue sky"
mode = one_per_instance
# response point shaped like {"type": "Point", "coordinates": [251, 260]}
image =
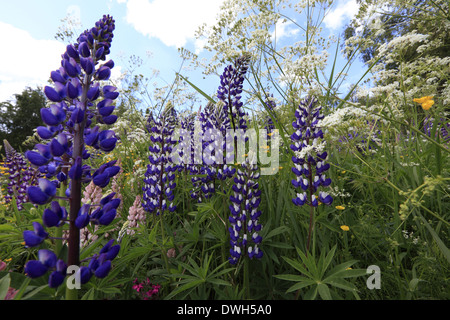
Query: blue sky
{"type": "Point", "coordinates": [30, 51]}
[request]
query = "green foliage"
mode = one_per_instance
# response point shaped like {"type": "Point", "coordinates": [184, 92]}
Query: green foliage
{"type": "Point", "coordinates": [317, 276]}
{"type": "Point", "coordinates": [18, 119]}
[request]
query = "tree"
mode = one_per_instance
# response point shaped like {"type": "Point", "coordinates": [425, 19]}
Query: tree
{"type": "Point", "coordinates": [17, 120]}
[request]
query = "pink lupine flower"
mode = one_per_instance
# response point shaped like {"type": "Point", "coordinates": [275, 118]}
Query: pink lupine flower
{"type": "Point", "coordinates": [136, 215]}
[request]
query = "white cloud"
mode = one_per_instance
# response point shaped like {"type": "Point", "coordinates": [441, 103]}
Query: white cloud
{"type": "Point", "coordinates": [174, 22]}
{"type": "Point", "coordinates": [25, 61]}
{"type": "Point", "coordinates": [345, 10]}
{"type": "Point", "coordinates": [282, 30]}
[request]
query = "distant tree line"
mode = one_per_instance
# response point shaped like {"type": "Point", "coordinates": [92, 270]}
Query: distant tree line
{"type": "Point", "coordinates": [18, 118]}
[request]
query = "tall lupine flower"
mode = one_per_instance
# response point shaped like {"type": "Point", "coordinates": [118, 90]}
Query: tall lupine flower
{"type": "Point", "coordinates": [190, 162]}
{"type": "Point", "coordinates": [136, 216]}
{"type": "Point", "coordinates": [245, 213]}
{"type": "Point", "coordinates": [230, 90]}
{"type": "Point", "coordinates": [21, 175]}
{"type": "Point", "coordinates": [213, 126]}
{"type": "Point", "coordinates": [244, 237]}
{"type": "Point", "coordinates": [309, 159]}
{"type": "Point", "coordinates": [159, 181]}
{"type": "Point", "coordinates": [69, 127]}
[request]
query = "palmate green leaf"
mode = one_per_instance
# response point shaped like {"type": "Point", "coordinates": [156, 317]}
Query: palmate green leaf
{"type": "Point", "coordinates": [276, 231]}
{"type": "Point", "coordinates": [218, 273]}
{"type": "Point", "coordinates": [277, 244]}
{"type": "Point", "coordinates": [310, 264]}
{"type": "Point", "coordinates": [189, 285]}
{"type": "Point", "coordinates": [292, 277]}
{"type": "Point", "coordinates": [301, 285]}
{"type": "Point", "coordinates": [341, 270]}
{"type": "Point", "coordinates": [342, 284]}
{"type": "Point", "coordinates": [299, 267]}
{"type": "Point", "coordinates": [328, 260]}
{"type": "Point", "coordinates": [219, 282]}
{"type": "Point", "coordinates": [311, 294]}
{"type": "Point", "coordinates": [89, 295]}
{"type": "Point", "coordinates": [324, 291]}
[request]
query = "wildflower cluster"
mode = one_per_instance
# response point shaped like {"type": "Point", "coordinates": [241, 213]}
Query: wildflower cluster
{"type": "Point", "coordinates": [146, 290]}
{"type": "Point", "coordinates": [68, 130]}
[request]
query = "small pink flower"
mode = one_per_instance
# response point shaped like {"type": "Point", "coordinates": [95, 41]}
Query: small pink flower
{"type": "Point", "coordinates": [138, 287]}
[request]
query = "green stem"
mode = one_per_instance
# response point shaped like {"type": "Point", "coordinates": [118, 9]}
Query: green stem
{"type": "Point", "coordinates": [59, 231]}
{"type": "Point", "coordinates": [71, 294]}
{"type": "Point", "coordinates": [246, 279]}
{"type": "Point", "coordinates": [163, 252]}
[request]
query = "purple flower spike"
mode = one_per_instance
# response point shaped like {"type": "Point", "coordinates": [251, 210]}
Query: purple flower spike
{"type": "Point", "coordinates": [21, 176]}
{"type": "Point", "coordinates": [160, 172]}
{"type": "Point", "coordinates": [245, 214]}
{"type": "Point", "coordinates": [309, 160]}
{"type": "Point", "coordinates": [70, 123]}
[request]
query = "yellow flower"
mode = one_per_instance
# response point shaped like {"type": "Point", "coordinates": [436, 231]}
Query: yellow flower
{"type": "Point", "coordinates": [345, 228]}
{"type": "Point", "coordinates": [270, 134]}
{"type": "Point", "coordinates": [340, 207]}
{"type": "Point", "coordinates": [426, 102]}
{"type": "Point", "coordinates": [427, 105]}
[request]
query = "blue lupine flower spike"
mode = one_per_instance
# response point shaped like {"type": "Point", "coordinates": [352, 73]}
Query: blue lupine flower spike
{"type": "Point", "coordinates": [79, 107]}
{"type": "Point", "coordinates": [309, 160]}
